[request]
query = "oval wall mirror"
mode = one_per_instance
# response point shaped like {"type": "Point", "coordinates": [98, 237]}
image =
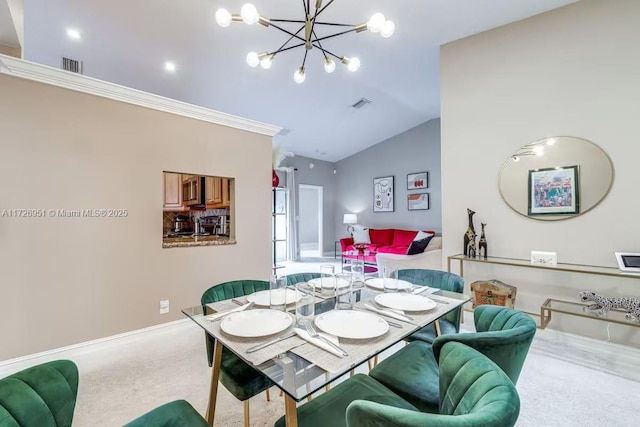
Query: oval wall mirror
{"type": "Point", "coordinates": [556, 178]}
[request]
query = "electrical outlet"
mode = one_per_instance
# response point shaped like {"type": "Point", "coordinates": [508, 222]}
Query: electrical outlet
{"type": "Point", "coordinates": [164, 306]}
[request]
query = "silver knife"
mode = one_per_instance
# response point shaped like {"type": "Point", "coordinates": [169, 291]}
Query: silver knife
{"type": "Point", "coordinates": [441, 301]}
{"type": "Point", "coordinates": [268, 343]}
{"type": "Point", "coordinates": [389, 313]}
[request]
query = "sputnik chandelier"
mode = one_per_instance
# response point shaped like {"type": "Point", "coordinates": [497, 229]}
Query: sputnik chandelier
{"type": "Point", "coordinates": [249, 15]}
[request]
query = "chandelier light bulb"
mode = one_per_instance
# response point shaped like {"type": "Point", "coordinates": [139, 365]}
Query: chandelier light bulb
{"type": "Point", "coordinates": [329, 65]}
{"type": "Point", "coordinates": [266, 62]}
{"type": "Point", "coordinates": [388, 29]}
{"type": "Point", "coordinates": [299, 75]}
{"type": "Point", "coordinates": [354, 64]}
{"type": "Point", "coordinates": [223, 17]}
{"type": "Point", "coordinates": [249, 13]}
{"type": "Point", "coordinates": [376, 22]}
{"type": "Point", "coordinates": [252, 59]}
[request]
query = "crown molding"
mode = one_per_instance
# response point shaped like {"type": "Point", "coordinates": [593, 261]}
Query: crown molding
{"type": "Point", "coordinates": [80, 83]}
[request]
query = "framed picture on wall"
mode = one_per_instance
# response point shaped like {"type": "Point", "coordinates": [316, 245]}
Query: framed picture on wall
{"type": "Point", "coordinates": [417, 181]}
{"type": "Point", "coordinates": [554, 191]}
{"type": "Point", "coordinates": [383, 194]}
{"type": "Point", "coordinates": [418, 202]}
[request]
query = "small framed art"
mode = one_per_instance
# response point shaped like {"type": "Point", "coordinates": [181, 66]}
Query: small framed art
{"type": "Point", "coordinates": [383, 194]}
{"type": "Point", "coordinates": [417, 181]}
{"type": "Point", "coordinates": [554, 191]}
{"type": "Point", "coordinates": [418, 202]}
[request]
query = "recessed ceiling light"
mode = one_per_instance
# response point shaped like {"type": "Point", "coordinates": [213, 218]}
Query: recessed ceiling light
{"type": "Point", "coordinates": [170, 67]}
{"type": "Point", "coordinates": [73, 34]}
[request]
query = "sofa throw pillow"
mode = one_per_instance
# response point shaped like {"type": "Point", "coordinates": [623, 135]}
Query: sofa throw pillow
{"type": "Point", "coordinates": [361, 236]}
{"type": "Point", "coordinates": [419, 243]}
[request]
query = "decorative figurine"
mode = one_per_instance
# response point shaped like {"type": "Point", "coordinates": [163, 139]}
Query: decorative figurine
{"type": "Point", "coordinates": [470, 237]}
{"type": "Point", "coordinates": [482, 243]}
{"type": "Point", "coordinates": [603, 304]}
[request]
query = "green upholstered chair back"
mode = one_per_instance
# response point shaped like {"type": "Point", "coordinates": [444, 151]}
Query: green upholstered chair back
{"type": "Point", "coordinates": [228, 290]}
{"type": "Point", "coordinates": [41, 396]}
{"type": "Point", "coordinates": [437, 279]}
{"type": "Point", "coordinates": [292, 279]}
{"type": "Point", "coordinates": [503, 334]}
{"type": "Point", "coordinates": [473, 392]}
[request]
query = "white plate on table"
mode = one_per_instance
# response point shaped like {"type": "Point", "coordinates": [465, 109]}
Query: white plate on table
{"type": "Point", "coordinates": [317, 283]}
{"type": "Point", "coordinates": [378, 283]}
{"type": "Point", "coordinates": [263, 298]}
{"type": "Point", "coordinates": [405, 302]}
{"type": "Point", "coordinates": [351, 324]}
{"type": "Point", "coordinates": [256, 323]}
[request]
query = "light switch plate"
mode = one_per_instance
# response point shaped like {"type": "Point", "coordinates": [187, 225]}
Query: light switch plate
{"type": "Point", "coordinates": [546, 258]}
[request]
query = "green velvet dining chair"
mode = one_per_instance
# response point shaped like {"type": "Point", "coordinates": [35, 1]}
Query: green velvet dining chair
{"type": "Point", "coordinates": [474, 391]}
{"type": "Point", "coordinates": [178, 413]}
{"type": "Point", "coordinates": [242, 380]}
{"type": "Point", "coordinates": [450, 322]}
{"type": "Point", "coordinates": [40, 396]}
{"type": "Point", "coordinates": [292, 279]}
{"type": "Point", "coordinates": [503, 334]}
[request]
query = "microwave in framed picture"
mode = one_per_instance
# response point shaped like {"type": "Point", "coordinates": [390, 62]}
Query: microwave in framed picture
{"type": "Point", "coordinates": [554, 191]}
{"type": "Point", "coordinates": [417, 181]}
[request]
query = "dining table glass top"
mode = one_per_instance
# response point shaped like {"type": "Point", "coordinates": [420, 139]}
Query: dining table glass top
{"type": "Point", "coordinates": [303, 369]}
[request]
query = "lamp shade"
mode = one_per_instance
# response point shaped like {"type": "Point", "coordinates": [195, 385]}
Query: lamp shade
{"type": "Point", "coordinates": [350, 219]}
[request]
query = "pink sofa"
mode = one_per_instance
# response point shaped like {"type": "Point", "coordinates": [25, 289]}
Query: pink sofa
{"type": "Point", "coordinates": [388, 240]}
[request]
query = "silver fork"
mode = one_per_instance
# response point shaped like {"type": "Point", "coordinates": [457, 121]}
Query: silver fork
{"type": "Point", "coordinates": [312, 332]}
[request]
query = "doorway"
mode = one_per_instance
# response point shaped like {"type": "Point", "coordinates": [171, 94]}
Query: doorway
{"type": "Point", "coordinates": [310, 220]}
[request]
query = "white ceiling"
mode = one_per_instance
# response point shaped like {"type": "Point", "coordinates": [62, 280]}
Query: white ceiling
{"type": "Point", "coordinates": [128, 41]}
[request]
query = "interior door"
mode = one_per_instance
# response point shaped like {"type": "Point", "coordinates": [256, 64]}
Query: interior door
{"type": "Point", "coordinates": [310, 220]}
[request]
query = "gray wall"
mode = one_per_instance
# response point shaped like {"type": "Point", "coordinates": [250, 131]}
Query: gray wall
{"type": "Point", "coordinates": [415, 150]}
{"type": "Point", "coordinates": [321, 174]}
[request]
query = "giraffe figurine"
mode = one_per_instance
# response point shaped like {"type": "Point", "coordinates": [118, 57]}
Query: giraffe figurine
{"type": "Point", "coordinates": [482, 243]}
{"type": "Point", "coordinates": [470, 237]}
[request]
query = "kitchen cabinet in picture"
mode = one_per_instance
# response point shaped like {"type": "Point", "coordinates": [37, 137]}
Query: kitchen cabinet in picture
{"type": "Point", "coordinates": [172, 192]}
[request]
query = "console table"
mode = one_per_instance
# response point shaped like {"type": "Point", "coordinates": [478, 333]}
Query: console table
{"type": "Point", "coordinates": [551, 304]}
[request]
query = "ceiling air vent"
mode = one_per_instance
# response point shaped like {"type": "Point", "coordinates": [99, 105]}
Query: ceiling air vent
{"type": "Point", "coordinates": [72, 65]}
{"type": "Point", "coordinates": [361, 103]}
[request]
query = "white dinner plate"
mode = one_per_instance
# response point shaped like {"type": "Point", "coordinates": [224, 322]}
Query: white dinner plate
{"type": "Point", "coordinates": [256, 323]}
{"type": "Point", "coordinates": [378, 283]}
{"type": "Point", "coordinates": [404, 301]}
{"type": "Point", "coordinates": [263, 298]}
{"type": "Point", "coordinates": [318, 282]}
{"type": "Point", "coordinates": [352, 324]}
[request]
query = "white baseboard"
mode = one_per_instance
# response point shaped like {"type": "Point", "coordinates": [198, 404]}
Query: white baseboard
{"type": "Point", "coordinates": [9, 366]}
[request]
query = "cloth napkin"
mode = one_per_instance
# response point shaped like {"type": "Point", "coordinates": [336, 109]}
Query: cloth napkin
{"type": "Point", "coordinates": [318, 342]}
{"type": "Point", "coordinates": [215, 316]}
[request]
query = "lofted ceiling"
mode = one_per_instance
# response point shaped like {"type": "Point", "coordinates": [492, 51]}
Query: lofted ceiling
{"type": "Point", "coordinates": [128, 41]}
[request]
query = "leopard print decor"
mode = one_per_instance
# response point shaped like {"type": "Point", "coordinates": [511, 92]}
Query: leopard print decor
{"type": "Point", "coordinates": [603, 304]}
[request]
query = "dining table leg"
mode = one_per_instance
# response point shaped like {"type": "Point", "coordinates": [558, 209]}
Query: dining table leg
{"type": "Point", "coordinates": [436, 325]}
{"type": "Point", "coordinates": [290, 411]}
{"type": "Point", "coordinates": [215, 376]}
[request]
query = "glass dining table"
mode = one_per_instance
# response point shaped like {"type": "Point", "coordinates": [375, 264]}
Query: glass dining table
{"type": "Point", "coordinates": [300, 369]}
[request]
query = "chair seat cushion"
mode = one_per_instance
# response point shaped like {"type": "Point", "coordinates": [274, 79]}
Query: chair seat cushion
{"type": "Point", "coordinates": [241, 379]}
{"type": "Point", "coordinates": [399, 250]}
{"type": "Point", "coordinates": [412, 373]}
{"type": "Point", "coordinates": [428, 333]}
{"type": "Point", "coordinates": [329, 409]}
{"type": "Point", "coordinates": [178, 413]}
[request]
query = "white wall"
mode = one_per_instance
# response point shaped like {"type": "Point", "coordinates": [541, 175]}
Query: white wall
{"type": "Point", "coordinates": [571, 71]}
{"type": "Point", "coordinates": [308, 215]}
{"type": "Point", "coordinates": [69, 280]}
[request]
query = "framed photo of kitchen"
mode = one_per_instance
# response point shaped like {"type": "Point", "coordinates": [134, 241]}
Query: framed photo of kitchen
{"type": "Point", "coordinates": [383, 194]}
{"type": "Point", "coordinates": [554, 191]}
{"type": "Point", "coordinates": [417, 181]}
{"type": "Point", "coordinates": [418, 202]}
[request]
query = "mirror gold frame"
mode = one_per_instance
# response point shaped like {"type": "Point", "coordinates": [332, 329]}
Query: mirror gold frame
{"type": "Point", "coordinates": [562, 153]}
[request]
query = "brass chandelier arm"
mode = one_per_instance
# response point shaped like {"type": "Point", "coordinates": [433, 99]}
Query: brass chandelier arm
{"type": "Point", "coordinates": [294, 21]}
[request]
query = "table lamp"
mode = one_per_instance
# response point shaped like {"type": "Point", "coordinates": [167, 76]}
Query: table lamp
{"type": "Point", "coordinates": [350, 219]}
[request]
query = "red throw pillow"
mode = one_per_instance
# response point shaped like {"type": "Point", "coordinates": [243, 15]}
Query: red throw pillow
{"type": "Point", "coordinates": [381, 237]}
{"type": "Point", "coordinates": [403, 237]}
